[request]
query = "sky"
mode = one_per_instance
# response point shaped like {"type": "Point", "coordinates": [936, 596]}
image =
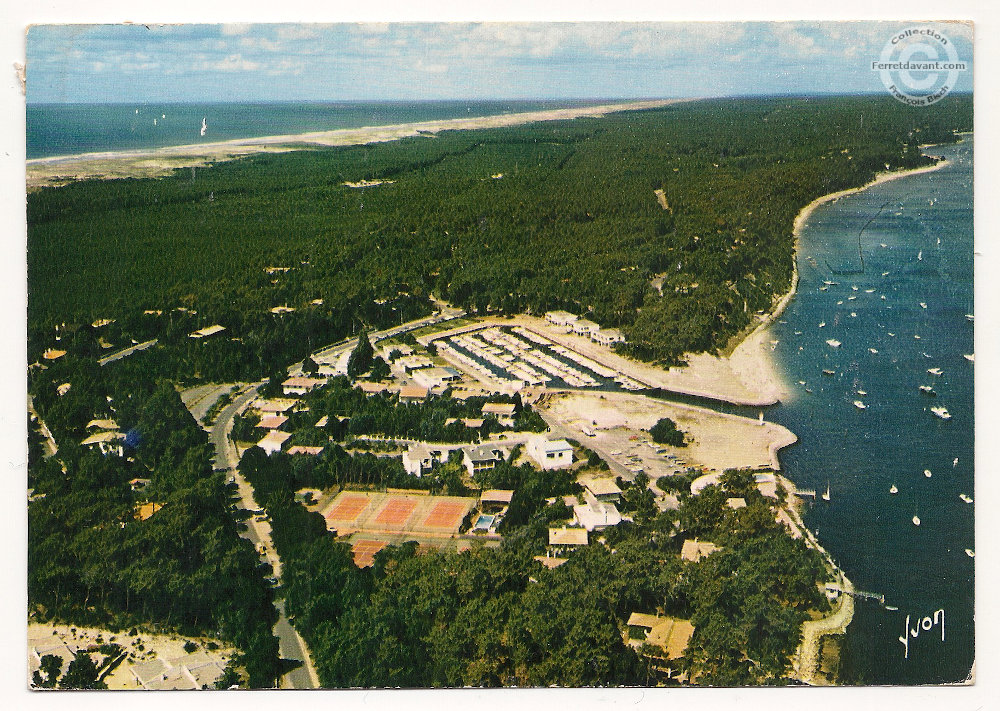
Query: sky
{"type": "Point", "coordinates": [411, 61]}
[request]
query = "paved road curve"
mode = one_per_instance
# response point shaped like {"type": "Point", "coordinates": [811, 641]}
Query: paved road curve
{"type": "Point", "coordinates": [291, 645]}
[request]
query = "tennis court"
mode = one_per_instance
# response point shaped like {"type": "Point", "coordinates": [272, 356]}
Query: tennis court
{"type": "Point", "coordinates": [446, 515]}
{"type": "Point", "coordinates": [364, 551]}
{"type": "Point", "coordinates": [346, 508]}
{"type": "Point", "coordinates": [396, 513]}
{"type": "Point", "coordinates": [384, 512]}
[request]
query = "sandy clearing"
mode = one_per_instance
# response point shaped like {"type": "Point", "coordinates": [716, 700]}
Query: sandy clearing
{"type": "Point", "coordinates": [155, 646]}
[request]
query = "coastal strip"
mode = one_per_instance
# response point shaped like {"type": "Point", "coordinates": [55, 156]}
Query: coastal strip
{"type": "Point", "coordinates": [154, 162]}
{"type": "Point", "coordinates": [752, 359]}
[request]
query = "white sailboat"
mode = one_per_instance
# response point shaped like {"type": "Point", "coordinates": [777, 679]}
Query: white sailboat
{"type": "Point", "coordinates": [927, 473]}
{"type": "Point", "coordinates": [833, 342]}
{"type": "Point", "coordinates": [966, 498]}
{"type": "Point", "coordinates": [971, 357]}
{"type": "Point", "coordinates": [941, 412]}
{"type": "Point", "coordinates": [893, 489]}
{"type": "Point", "coordinates": [204, 126]}
{"type": "Point", "coordinates": [969, 552]}
{"type": "Point", "coordinates": [920, 256]}
{"type": "Point", "coordinates": [826, 494]}
{"type": "Point", "coordinates": [860, 405]}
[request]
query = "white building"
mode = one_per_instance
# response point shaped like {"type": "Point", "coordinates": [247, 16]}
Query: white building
{"type": "Point", "coordinates": [106, 442]}
{"type": "Point", "coordinates": [584, 327]}
{"type": "Point", "coordinates": [419, 458]}
{"type": "Point", "coordinates": [596, 515]}
{"type": "Point", "coordinates": [482, 458]}
{"type": "Point", "coordinates": [607, 336]}
{"type": "Point", "coordinates": [273, 441]}
{"type": "Point", "coordinates": [300, 385]}
{"type": "Point", "coordinates": [555, 454]}
{"type": "Point", "coordinates": [563, 319]}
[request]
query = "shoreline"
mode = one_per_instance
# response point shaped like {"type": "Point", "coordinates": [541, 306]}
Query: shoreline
{"type": "Point", "coordinates": [152, 162]}
{"type": "Point", "coordinates": [751, 354]}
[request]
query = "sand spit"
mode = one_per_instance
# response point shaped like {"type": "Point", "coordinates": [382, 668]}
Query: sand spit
{"type": "Point", "coordinates": [58, 170]}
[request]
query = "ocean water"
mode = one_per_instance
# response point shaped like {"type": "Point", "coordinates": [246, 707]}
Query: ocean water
{"type": "Point", "coordinates": [69, 129]}
{"type": "Point", "coordinates": [916, 238]}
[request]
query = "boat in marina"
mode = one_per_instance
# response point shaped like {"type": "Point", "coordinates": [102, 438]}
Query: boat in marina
{"type": "Point", "coordinates": [934, 371]}
{"type": "Point", "coordinates": [833, 342]}
{"type": "Point", "coordinates": [827, 371]}
{"type": "Point", "coordinates": [926, 390]}
{"type": "Point", "coordinates": [941, 412]}
{"type": "Point", "coordinates": [860, 405]}
{"type": "Point", "coordinates": [826, 494]}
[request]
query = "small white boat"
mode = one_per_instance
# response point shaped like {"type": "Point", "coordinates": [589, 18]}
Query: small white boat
{"type": "Point", "coordinates": [802, 382]}
{"type": "Point", "coordinates": [862, 392]}
{"type": "Point", "coordinates": [826, 494]}
{"type": "Point", "coordinates": [840, 303]}
{"type": "Point", "coordinates": [873, 351]}
{"type": "Point", "coordinates": [934, 371]}
{"type": "Point", "coordinates": [893, 489]}
{"type": "Point", "coordinates": [882, 297]}
{"type": "Point", "coordinates": [971, 357]}
{"type": "Point", "coordinates": [970, 317]}
{"type": "Point", "coordinates": [885, 273]}
{"type": "Point", "coordinates": [833, 342]}
{"type": "Point", "coordinates": [852, 298]}
{"type": "Point", "coordinates": [853, 315]}
{"type": "Point", "coordinates": [966, 498]}
{"type": "Point", "coordinates": [969, 552]}
{"type": "Point", "coordinates": [883, 245]}
{"type": "Point", "coordinates": [926, 389]}
{"type": "Point", "coordinates": [954, 463]}
{"type": "Point", "coordinates": [916, 336]}
{"type": "Point", "coordinates": [830, 283]}
{"type": "Point", "coordinates": [927, 473]}
{"type": "Point", "coordinates": [920, 256]}
{"type": "Point", "coordinates": [891, 334]}
{"type": "Point", "coordinates": [204, 126]}
{"type": "Point", "coordinates": [824, 288]}
{"type": "Point", "coordinates": [860, 405]}
{"type": "Point", "coordinates": [827, 371]}
{"type": "Point", "coordinates": [822, 324]}
{"type": "Point", "coordinates": [871, 291]}
{"type": "Point", "coordinates": [891, 608]}
{"type": "Point", "coordinates": [916, 520]}
{"type": "Point", "coordinates": [941, 412]}
{"type": "Point", "coordinates": [854, 288]}
{"type": "Point", "coordinates": [923, 305]}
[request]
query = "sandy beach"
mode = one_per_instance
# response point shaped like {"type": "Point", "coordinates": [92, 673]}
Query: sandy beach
{"type": "Point", "coordinates": [57, 170]}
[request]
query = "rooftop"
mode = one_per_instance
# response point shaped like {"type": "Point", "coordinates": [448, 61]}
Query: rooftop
{"type": "Point", "coordinates": [272, 422]}
{"type": "Point", "coordinates": [207, 331]}
{"type": "Point", "coordinates": [694, 550]}
{"type": "Point", "coordinates": [603, 486]}
{"type": "Point", "coordinates": [667, 633]}
{"type": "Point", "coordinates": [417, 392]}
{"type": "Point", "coordinates": [304, 449]}
{"type": "Point", "coordinates": [568, 536]}
{"type": "Point", "coordinates": [497, 496]}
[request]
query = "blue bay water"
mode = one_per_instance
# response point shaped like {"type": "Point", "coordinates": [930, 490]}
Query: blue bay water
{"type": "Point", "coordinates": [925, 223]}
{"type": "Point", "coordinates": [69, 129]}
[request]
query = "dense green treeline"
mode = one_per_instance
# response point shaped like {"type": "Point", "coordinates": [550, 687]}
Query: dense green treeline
{"type": "Point", "coordinates": [555, 214]}
{"type": "Point", "coordinates": [93, 560]}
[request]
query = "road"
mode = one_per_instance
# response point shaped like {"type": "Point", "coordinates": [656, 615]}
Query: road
{"type": "Point", "coordinates": [291, 645]}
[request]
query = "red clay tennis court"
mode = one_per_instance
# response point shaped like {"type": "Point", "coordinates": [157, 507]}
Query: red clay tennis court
{"type": "Point", "coordinates": [396, 512]}
{"type": "Point", "coordinates": [446, 514]}
{"type": "Point", "coordinates": [379, 512]}
{"type": "Point", "coordinates": [364, 551]}
{"type": "Point", "coordinates": [348, 508]}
